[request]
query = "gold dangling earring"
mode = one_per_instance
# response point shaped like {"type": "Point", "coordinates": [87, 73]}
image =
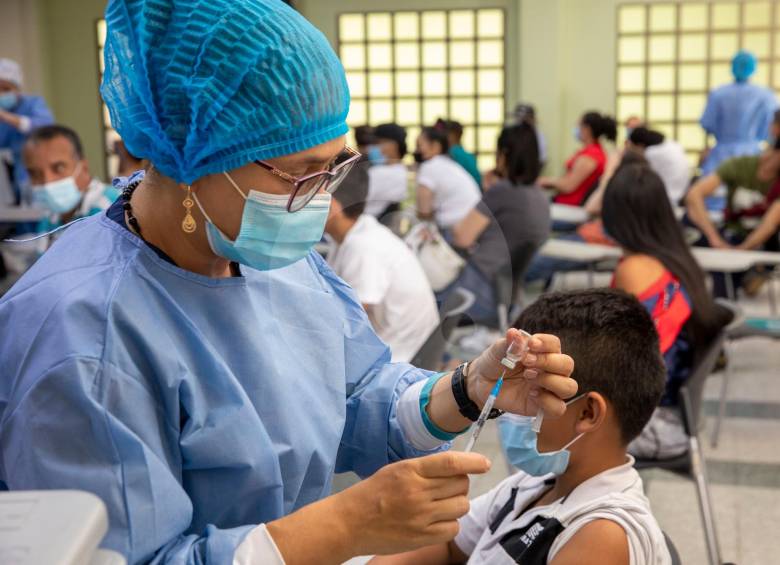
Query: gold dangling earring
{"type": "Point", "coordinates": [188, 224]}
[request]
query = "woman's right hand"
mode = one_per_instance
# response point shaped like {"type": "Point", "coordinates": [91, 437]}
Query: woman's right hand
{"type": "Point", "coordinates": [410, 504]}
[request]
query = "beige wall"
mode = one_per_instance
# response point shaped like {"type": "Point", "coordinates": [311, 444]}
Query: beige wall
{"type": "Point", "coordinates": [69, 43]}
{"type": "Point", "coordinates": [20, 40]}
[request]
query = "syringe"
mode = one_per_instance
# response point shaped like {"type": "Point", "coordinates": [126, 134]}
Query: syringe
{"type": "Point", "coordinates": [514, 354]}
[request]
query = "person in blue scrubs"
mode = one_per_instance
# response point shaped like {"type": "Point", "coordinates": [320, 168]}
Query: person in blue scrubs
{"type": "Point", "coordinates": [189, 359]}
{"type": "Point", "coordinates": [737, 114]}
{"type": "Point", "coordinates": [19, 115]}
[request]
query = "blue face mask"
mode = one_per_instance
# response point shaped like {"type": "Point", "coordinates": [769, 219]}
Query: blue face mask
{"type": "Point", "coordinates": [59, 196]}
{"type": "Point", "coordinates": [519, 441]}
{"type": "Point", "coordinates": [375, 155]}
{"type": "Point", "coordinates": [8, 100]}
{"type": "Point", "coordinates": [577, 134]}
{"type": "Point", "coordinates": [270, 237]}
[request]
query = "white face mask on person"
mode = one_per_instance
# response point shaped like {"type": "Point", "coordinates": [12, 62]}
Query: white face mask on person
{"type": "Point", "coordinates": [58, 196]}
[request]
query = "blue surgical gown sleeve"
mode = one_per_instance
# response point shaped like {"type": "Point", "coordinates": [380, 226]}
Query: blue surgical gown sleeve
{"type": "Point", "coordinates": [767, 111]}
{"type": "Point", "coordinates": [84, 436]}
{"type": "Point", "coordinates": [374, 386]}
{"type": "Point", "coordinates": [37, 111]}
{"type": "Point", "coordinates": [709, 119]}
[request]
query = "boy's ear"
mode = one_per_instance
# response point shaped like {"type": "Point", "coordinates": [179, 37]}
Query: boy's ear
{"type": "Point", "coordinates": [592, 414]}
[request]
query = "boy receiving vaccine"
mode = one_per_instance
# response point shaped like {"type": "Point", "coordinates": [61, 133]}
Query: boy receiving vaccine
{"type": "Point", "coordinates": [577, 498]}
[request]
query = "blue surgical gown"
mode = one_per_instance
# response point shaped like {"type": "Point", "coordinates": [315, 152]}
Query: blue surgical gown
{"type": "Point", "coordinates": [739, 116]}
{"type": "Point", "coordinates": [194, 407]}
{"type": "Point", "coordinates": [34, 108]}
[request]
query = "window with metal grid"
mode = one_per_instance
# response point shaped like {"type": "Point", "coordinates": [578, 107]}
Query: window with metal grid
{"type": "Point", "coordinates": [671, 54]}
{"type": "Point", "coordinates": [413, 67]}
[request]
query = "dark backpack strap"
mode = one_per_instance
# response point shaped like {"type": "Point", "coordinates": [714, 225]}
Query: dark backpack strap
{"type": "Point", "coordinates": [504, 512]}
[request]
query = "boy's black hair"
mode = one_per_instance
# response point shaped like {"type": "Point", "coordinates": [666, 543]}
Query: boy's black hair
{"type": "Point", "coordinates": [53, 131]}
{"type": "Point", "coordinates": [353, 190]}
{"type": "Point", "coordinates": [614, 344]}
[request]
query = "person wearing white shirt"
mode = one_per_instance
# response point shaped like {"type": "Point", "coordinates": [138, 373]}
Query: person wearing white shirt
{"type": "Point", "coordinates": [387, 178]}
{"type": "Point", "coordinates": [445, 191]}
{"type": "Point", "coordinates": [666, 157]}
{"type": "Point", "coordinates": [382, 270]}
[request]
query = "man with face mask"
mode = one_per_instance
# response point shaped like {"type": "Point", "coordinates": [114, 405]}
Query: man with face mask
{"type": "Point", "coordinates": [737, 114]}
{"type": "Point", "coordinates": [60, 179]}
{"type": "Point", "coordinates": [19, 115]}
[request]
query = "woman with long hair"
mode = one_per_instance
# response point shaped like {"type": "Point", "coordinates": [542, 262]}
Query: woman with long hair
{"type": "Point", "coordinates": [660, 270]}
{"type": "Point", "coordinates": [506, 227]}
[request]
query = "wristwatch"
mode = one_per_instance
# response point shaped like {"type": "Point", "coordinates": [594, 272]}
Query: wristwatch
{"type": "Point", "coordinates": [467, 407]}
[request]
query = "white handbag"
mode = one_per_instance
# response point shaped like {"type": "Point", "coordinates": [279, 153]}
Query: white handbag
{"type": "Point", "coordinates": [440, 262]}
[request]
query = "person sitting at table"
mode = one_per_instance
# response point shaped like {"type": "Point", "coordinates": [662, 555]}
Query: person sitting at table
{"type": "Point", "coordinates": [765, 233]}
{"type": "Point", "coordinates": [511, 220]}
{"type": "Point", "coordinates": [19, 115]}
{"type": "Point", "coordinates": [586, 166]}
{"type": "Point", "coordinates": [457, 152]}
{"type": "Point", "coordinates": [445, 191]}
{"type": "Point", "coordinates": [746, 202]}
{"type": "Point", "coordinates": [660, 270]}
{"type": "Point", "coordinates": [543, 268]}
{"type": "Point", "coordinates": [382, 270]}
{"type": "Point", "coordinates": [61, 181]}
{"type": "Point", "coordinates": [666, 157]}
{"type": "Point", "coordinates": [388, 184]}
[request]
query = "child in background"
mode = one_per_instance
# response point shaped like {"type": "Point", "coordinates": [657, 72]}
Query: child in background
{"type": "Point", "coordinates": [577, 498]}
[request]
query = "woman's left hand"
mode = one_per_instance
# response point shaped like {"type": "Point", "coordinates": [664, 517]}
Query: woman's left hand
{"type": "Point", "coordinates": [541, 379]}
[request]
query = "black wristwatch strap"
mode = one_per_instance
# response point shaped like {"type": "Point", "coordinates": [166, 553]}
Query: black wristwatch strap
{"type": "Point", "coordinates": [466, 406]}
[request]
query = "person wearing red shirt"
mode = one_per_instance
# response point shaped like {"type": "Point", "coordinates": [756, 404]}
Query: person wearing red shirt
{"type": "Point", "coordinates": [586, 166]}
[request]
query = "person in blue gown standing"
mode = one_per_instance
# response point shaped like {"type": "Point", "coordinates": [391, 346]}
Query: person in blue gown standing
{"type": "Point", "coordinates": [19, 115]}
{"type": "Point", "coordinates": [187, 356]}
{"type": "Point", "coordinates": [737, 114]}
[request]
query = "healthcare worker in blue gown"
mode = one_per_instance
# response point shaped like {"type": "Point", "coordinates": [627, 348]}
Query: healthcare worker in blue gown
{"type": "Point", "coordinates": [188, 358]}
{"type": "Point", "coordinates": [738, 114]}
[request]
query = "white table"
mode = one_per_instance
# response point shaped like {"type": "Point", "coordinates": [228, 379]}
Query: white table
{"type": "Point", "coordinates": [569, 214]}
{"type": "Point", "coordinates": [579, 251]}
{"type": "Point", "coordinates": [21, 214]}
{"type": "Point", "coordinates": [727, 261]}
{"type": "Point", "coordinates": [589, 253]}
{"type": "Point", "coordinates": [730, 261]}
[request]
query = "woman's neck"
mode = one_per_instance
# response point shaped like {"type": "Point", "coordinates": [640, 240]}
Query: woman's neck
{"type": "Point", "coordinates": [158, 208]}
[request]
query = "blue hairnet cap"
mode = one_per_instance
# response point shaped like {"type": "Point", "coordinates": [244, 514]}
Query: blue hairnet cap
{"type": "Point", "coordinates": [204, 86]}
{"type": "Point", "coordinates": [743, 65]}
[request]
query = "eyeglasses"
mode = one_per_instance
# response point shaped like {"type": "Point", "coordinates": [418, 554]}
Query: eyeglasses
{"type": "Point", "coordinates": [306, 187]}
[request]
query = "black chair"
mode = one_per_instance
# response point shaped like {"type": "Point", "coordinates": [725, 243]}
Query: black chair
{"type": "Point", "coordinates": [692, 463]}
{"type": "Point", "coordinates": [509, 284]}
{"type": "Point", "coordinates": [432, 351]}
{"type": "Point", "coordinates": [741, 327]}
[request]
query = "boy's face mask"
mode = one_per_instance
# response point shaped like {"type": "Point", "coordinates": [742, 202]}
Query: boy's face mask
{"type": "Point", "coordinates": [519, 442]}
